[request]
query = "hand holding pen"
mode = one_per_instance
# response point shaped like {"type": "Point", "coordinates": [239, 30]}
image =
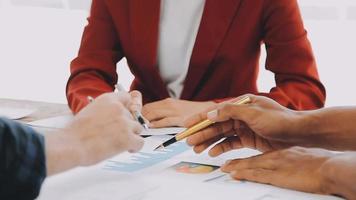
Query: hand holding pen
{"type": "Point", "coordinates": [134, 107]}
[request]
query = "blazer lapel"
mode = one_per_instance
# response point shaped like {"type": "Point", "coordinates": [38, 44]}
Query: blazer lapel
{"type": "Point", "coordinates": [144, 27]}
{"type": "Point", "coordinates": [216, 20]}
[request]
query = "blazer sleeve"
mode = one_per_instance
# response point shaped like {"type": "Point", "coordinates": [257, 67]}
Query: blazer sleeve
{"type": "Point", "coordinates": [93, 72]}
{"type": "Point", "coordinates": [290, 57]}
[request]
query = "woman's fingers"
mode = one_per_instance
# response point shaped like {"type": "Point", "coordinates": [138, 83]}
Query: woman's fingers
{"type": "Point", "coordinates": [157, 114]}
{"type": "Point", "coordinates": [157, 110]}
{"type": "Point", "coordinates": [166, 122]}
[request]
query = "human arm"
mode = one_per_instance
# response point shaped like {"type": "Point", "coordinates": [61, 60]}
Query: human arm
{"type": "Point", "coordinates": [266, 125]}
{"type": "Point", "coordinates": [101, 130]}
{"type": "Point", "coordinates": [93, 72]}
{"type": "Point", "coordinates": [308, 170]}
{"type": "Point", "coordinates": [290, 57]}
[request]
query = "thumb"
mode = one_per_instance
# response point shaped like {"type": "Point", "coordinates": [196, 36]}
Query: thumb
{"type": "Point", "coordinates": [135, 143]}
{"type": "Point", "coordinates": [136, 101]}
{"type": "Point", "coordinates": [122, 97]}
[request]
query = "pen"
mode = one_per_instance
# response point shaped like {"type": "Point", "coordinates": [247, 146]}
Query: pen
{"type": "Point", "coordinates": [136, 114]}
{"type": "Point", "coordinates": [197, 127]}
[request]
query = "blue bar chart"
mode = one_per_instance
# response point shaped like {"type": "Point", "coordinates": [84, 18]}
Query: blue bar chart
{"type": "Point", "coordinates": [143, 160]}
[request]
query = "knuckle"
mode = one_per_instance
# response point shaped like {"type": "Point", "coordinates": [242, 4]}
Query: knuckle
{"type": "Point", "coordinates": [217, 129]}
{"type": "Point", "coordinates": [201, 116]}
{"type": "Point", "coordinates": [205, 134]}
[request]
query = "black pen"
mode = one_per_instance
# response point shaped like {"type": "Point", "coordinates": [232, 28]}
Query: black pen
{"type": "Point", "coordinates": [137, 114]}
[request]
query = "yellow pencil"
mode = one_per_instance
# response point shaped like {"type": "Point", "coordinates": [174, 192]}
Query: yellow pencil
{"type": "Point", "coordinates": [197, 127]}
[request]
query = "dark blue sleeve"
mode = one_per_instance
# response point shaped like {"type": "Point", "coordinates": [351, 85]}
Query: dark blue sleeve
{"type": "Point", "coordinates": [22, 161]}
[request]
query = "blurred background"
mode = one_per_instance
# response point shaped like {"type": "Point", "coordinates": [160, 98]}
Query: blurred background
{"type": "Point", "coordinates": [39, 38]}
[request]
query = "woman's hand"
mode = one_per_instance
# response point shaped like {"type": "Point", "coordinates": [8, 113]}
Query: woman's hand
{"type": "Point", "coordinates": [308, 170]}
{"type": "Point", "coordinates": [172, 112]}
{"type": "Point", "coordinates": [263, 125]}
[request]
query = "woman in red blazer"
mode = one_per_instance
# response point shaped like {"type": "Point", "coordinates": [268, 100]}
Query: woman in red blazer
{"type": "Point", "coordinates": [223, 64]}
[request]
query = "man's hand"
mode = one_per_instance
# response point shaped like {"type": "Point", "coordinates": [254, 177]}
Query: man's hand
{"type": "Point", "coordinates": [172, 112]}
{"type": "Point", "coordinates": [101, 130]}
{"type": "Point", "coordinates": [295, 168]}
{"type": "Point", "coordinates": [303, 169]}
{"type": "Point", "coordinates": [263, 125]}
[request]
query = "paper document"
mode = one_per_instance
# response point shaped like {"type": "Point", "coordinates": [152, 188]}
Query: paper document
{"type": "Point", "coordinates": [62, 121]}
{"type": "Point", "coordinates": [147, 157]}
{"type": "Point", "coordinates": [53, 122]}
{"type": "Point", "coordinates": [15, 113]}
{"type": "Point", "coordinates": [175, 173]}
{"type": "Point", "coordinates": [162, 131]}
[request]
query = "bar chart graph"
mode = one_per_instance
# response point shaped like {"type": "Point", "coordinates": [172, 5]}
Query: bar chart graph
{"type": "Point", "coordinates": [146, 159]}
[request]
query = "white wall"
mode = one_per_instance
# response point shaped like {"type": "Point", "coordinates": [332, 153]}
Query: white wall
{"type": "Point", "coordinates": [38, 39]}
{"type": "Point", "coordinates": [331, 25]}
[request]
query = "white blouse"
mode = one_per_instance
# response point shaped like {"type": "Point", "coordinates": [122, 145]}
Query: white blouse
{"type": "Point", "coordinates": [178, 29]}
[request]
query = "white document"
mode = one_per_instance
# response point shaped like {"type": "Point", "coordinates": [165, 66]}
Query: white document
{"type": "Point", "coordinates": [95, 184]}
{"type": "Point", "coordinates": [53, 122]}
{"type": "Point", "coordinates": [15, 113]}
{"type": "Point", "coordinates": [62, 121]}
{"type": "Point", "coordinates": [162, 131]}
{"type": "Point", "coordinates": [166, 179]}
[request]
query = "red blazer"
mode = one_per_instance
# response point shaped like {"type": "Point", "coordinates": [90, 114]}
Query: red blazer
{"type": "Point", "coordinates": [225, 58]}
